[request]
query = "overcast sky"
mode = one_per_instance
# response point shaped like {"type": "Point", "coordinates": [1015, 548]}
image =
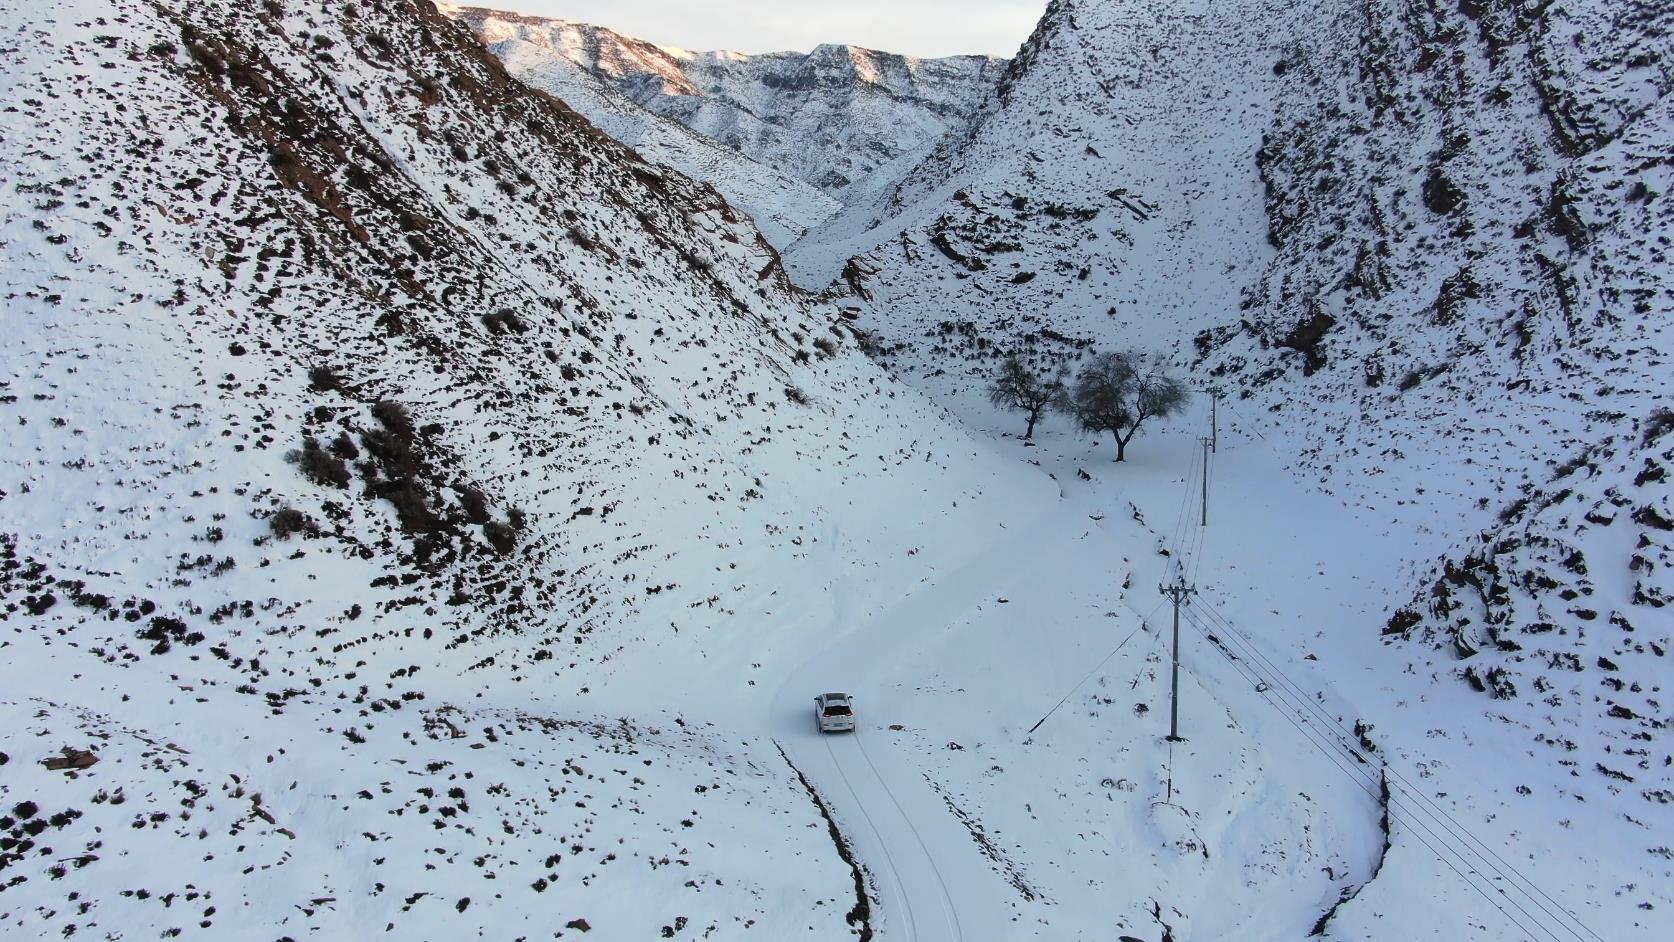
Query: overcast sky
{"type": "Point", "coordinates": [914, 27]}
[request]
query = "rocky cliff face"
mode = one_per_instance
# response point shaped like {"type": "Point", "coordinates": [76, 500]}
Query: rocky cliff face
{"type": "Point", "coordinates": [1471, 251]}
{"type": "Point", "coordinates": [843, 119]}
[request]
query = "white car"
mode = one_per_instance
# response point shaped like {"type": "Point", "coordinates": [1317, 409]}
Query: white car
{"type": "Point", "coordinates": [834, 712]}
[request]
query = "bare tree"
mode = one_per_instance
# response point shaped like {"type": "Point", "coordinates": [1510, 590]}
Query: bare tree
{"type": "Point", "coordinates": [1117, 392]}
{"type": "Point", "coordinates": [1019, 387]}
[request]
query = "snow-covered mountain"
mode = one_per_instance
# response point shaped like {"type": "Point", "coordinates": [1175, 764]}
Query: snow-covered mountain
{"type": "Point", "coordinates": [386, 449]}
{"type": "Point", "coordinates": [846, 120]}
{"type": "Point", "coordinates": [425, 515]}
{"type": "Point", "coordinates": [535, 51]}
{"type": "Point", "coordinates": [1424, 248]}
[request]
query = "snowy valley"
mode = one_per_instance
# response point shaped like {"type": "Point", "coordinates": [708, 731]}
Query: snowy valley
{"type": "Point", "coordinates": [447, 451]}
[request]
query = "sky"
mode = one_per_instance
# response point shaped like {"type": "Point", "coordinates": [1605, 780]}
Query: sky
{"type": "Point", "coordinates": [913, 27]}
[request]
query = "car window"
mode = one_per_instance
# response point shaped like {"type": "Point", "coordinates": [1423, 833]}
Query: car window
{"type": "Point", "coordinates": [837, 709]}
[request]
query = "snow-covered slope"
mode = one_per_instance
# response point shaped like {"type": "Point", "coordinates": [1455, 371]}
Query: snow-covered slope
{"type": "Point", "coordinates": [423, 516]}
{"type": "Point", "coordinates": [1424, 248]}
{"type": "Point", "coordinates": [393, 463]}
{"type": "Point", "coordinates": [1487, 303]}
{"type": "Point", "coordinates": [847, 120]}
{"type": "Point", "coordinates": [782, 206]}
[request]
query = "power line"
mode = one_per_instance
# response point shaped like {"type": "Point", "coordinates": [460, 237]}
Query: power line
{"type": "Point", "coordinates": [1416, 798]}
{"type": "Point", "coordinates": [1419, 830]}
{"type": "Point", "coordinates": [1090, 673]}
{"type": "Point", "coordinates": [1417, 826]}
{"type": "Point", "coordinates": [1247, 422]}
{"type": "Point", "coordinates": [1424, 803]}
{"type": "Point", "coordinates": [1177, 538]}
{"type": "Point", "coordinates": [1203, 531]}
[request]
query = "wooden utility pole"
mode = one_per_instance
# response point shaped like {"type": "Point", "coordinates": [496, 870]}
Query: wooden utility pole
{"type": "Point", "coordinates": [1179, 592]}
{"type": "Point", "coordinates": [1207, 448]}
{"type": "Point", "coordinates": [1214, 420]}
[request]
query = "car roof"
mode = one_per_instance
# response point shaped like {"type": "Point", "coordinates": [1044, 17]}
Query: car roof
{"type": "Point", "coordinates": [834, 696]}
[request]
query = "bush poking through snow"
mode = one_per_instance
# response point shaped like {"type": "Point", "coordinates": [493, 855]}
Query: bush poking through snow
{"type": "Point", "coordinates": [395, 417]}
{"type": "Point", "coordinates": [500, 535]}
{"type": "Point", "coordinates": [475, 504]}
{"type": "Point", "coordinates": [1659, 424]}
{"type": "Point", "coordinates": [321, 466]}
{"type": "Point", "coordinates": [290, 521]}
{"type": "Point", "coordinates": [344, 447]}
{"type": "Point", "coordinates": [503, 321]}
{"type": "Point", "coordinates": [1440, 195]}
{"type": "Point", "coordinates": [324, 379]}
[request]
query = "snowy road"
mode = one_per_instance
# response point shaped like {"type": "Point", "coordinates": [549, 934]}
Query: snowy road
{"type": "Point", "coordinates": [972, 829]}
{"type": "Point", "coordinates": [933, 880]}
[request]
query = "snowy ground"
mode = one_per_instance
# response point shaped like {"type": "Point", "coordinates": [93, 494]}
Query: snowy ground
{"type": "Point", "coordinates": [972, 827]}
{"type": "Point", "coordinates": [971, 824]}
{"type": "Point", "coordinates": [309, 769]}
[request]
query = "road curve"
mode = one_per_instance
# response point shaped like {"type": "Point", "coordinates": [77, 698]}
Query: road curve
{"type": "Point", "coordinates": [935, 884]}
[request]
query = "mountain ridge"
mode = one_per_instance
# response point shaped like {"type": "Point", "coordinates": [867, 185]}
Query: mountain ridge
{"type": "Point", "coordinates": [834, 117]}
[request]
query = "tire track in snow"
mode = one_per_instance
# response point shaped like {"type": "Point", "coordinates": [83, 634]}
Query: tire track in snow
{"type": "Point", "coordinates": [891, 634]}
{"type": "Point", "coordinates": [950, 911]}
{"type": "Point", "coordinates": [889, 859]}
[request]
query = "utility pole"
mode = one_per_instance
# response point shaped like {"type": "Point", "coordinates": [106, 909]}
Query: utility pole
{"type": "Point", "coordinates": [1207, 448]}
{"type": "Point", "coordinates": [1214, 420]}
{"type": "Point", "coordinates": [1179, 592]}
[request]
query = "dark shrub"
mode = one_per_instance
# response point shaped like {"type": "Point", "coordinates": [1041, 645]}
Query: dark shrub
{"type": "Point", "coordinates": [1659, 424]}
{"type": "Point", "coordinates": [504, 320]}
{"type": "Point", "coordinates": [395, 417]}
{"type": "Point", "coordinates": [344, 447]}
{"type": "Point", "coordinates": [394, 453]}
{"type": "Point", "coordinates": [1440, 195]}
{"type": "Point", "coordinates": [321, 466]}
{"type": "Point", "coordinates": [323, 378]}
{"type": "Point", "coordinates": [410, 506]}
{"type": "Point", "coordinates": [500, 536]}
{"type": "Point", "coordinates": [1401, 621]}
{"type": "Point", "coordinates": [475, 504]}
{"type": "Point", "coordinates": [289, 521]}
{"type": "Point", "coordinates": [207, 58]}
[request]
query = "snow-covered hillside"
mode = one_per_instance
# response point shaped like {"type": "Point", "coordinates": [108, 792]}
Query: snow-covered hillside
{"type": "Point", "coordinates": [424, 515]}
{"type": "Point", "coordinates": [846, 120]}
{"type": "Point", "coordinates": [535, 51]}
{"type": "Point", "coordinates": [1487, 300]}
{"type": "Point", "coordinates": [1423, 247]}
{"type": "Point", "coordinates": [399, 477]}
